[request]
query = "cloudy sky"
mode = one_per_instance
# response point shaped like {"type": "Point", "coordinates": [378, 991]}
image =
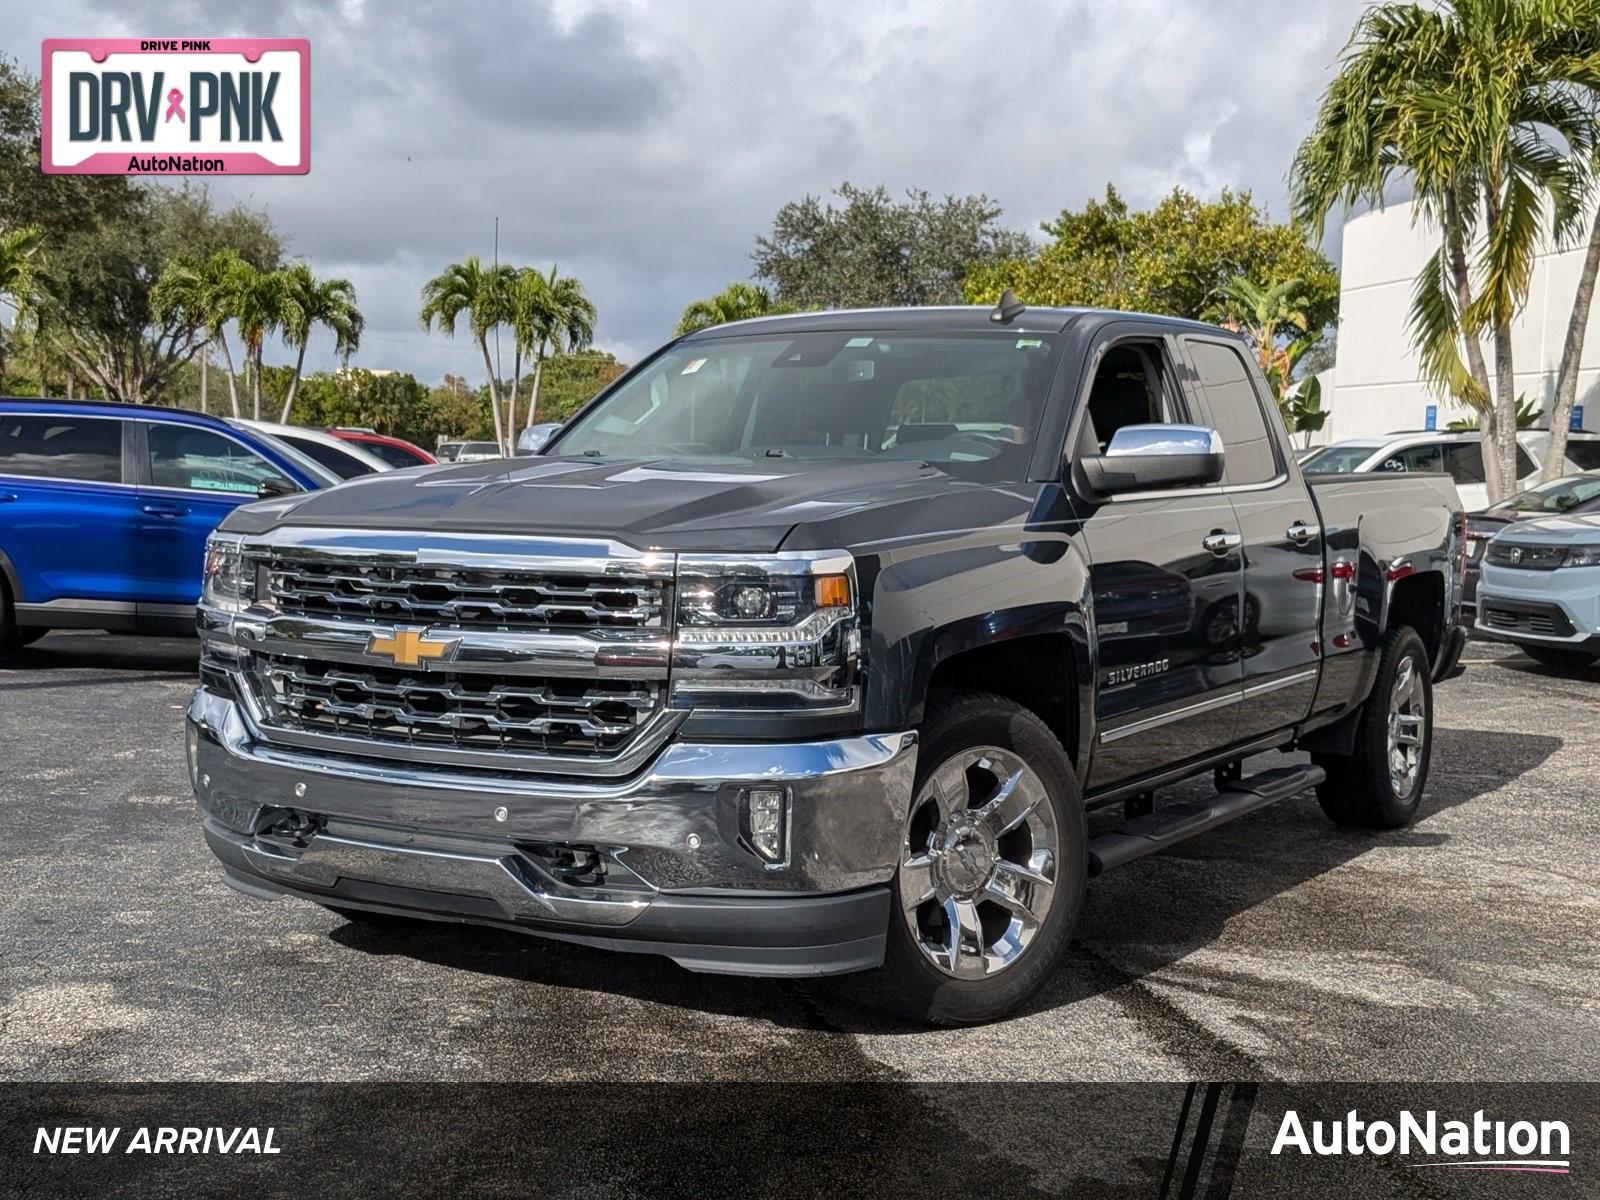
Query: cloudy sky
{"type": "Point", "coordinates": [643, 144]}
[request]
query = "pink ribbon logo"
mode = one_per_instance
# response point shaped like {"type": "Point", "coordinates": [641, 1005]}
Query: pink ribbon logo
{"type": "Point", "coordinates": [175, 105]}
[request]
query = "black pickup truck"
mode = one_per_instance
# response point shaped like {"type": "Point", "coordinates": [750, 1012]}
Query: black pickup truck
{"type": "Point", "coordinates": [806, 647]}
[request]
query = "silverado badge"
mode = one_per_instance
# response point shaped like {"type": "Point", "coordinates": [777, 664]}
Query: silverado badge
{"type": "Point", "coordinates": [411, 647]}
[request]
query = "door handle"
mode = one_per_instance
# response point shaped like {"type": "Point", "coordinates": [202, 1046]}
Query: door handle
{"type": "Point", "coordinates": [7, 497]}
{"type": "Point", "coordinates": [1300, 533]}
{"type": "Point", "coordinates": [166, 510]}
{"type": "Point", "coordinates": [1220, 541]}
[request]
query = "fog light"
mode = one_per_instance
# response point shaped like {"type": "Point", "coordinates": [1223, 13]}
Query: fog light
{"type": "Point", "coordinates": [191, 741]}
{"type": "Point", "coordinates": [766, 822]}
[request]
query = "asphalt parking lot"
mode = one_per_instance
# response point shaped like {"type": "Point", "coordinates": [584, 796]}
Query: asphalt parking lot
{"type": "Point", "coordinates": [1277, 948]}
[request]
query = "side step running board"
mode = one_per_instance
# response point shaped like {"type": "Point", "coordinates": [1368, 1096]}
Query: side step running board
{"type": "Point", "coordinates": [1176, 823]}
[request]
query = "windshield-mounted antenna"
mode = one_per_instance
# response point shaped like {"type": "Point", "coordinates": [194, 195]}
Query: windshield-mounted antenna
{"type": "Point", "coordinates": [1008, 309]}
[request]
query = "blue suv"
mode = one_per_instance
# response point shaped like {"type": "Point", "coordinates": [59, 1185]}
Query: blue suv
{"type": "Point", "coordinates": [105, 509]}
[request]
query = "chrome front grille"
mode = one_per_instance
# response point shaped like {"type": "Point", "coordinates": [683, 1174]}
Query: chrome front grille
{"type": "Point", "coordinates": [458, 650]}
{"type": "Point", "coordinates": [458, 710]}
{"type": "Point", "coordinates": [460, 596]}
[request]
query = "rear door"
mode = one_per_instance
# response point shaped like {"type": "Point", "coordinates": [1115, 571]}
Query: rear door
{"type": "Point", "coordinates": [67, 516]}
{"type": "Point", "coordinates": [190, 478]}
{"type": "Point", "coordinates": [1280, 613]}
{"type": "Point", "coordinates": [1165, 577]}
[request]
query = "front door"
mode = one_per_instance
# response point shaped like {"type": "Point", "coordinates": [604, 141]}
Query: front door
{"type": "Point", "coordinates": [191, 479]}
{"type": "Point", "coordinates": [1166, 576]}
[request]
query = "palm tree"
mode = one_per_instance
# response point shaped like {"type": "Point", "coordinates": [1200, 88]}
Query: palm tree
{"type": "Point", "coordinates": [18, 273]}
{"type": "Point", "coordinates": [197, 294]}
{"type": "Point", "coordinates": [736, 302]}
{"type": "Point", "coordinates": [549, 313]}
{"type": "Point", "coordinates": [310, 302]}
{"type": "Point", "coordinates": [1469, 101]}
{"type": "Point", "coordinates": [484, 295]}
{"type": "Point", "coordinates": [1277, 321]}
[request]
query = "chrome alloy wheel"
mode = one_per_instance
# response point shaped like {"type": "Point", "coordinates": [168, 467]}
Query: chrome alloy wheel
{"type": "Point", "coordinates": [978, 869]}
{"type": "Point", "coordinates": [1408, 717]}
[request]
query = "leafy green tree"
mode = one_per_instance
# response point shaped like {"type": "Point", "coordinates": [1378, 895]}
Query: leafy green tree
{"type": "Point", "coordinates": [19, 265]}
{"type": "Point", "coordinates": [874, 250]}
{"type": "Point", "coordinates": [571, 380]}
{"type": "Point", "coordinates": [548, 312]}
{"type": "Point", "coordinates": [483, 295]}
{"type": "Point", "coordinates": [309, 302]}
{"type": "Point", "coordinates": [1277, 320]}
{"type": "Point", "coordinates": [1487, 109]}
{"type": "Point", "coordinates": [736, 302]}
{"type": "Point", "coordinates": [1172, 259]}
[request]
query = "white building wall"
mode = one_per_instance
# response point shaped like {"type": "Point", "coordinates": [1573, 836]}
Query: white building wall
{"type": "Point", "coordinates": [1378, 385]}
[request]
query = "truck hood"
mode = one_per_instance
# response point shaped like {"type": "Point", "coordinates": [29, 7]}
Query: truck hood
{"type": "Point", "coordinates": [668, 504]}
{"type": "Point", "coordinates": [1551, 531]}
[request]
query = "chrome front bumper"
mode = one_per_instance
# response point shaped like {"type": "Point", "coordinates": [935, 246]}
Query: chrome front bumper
{"type": "Point", "coordinates": [678, 878]}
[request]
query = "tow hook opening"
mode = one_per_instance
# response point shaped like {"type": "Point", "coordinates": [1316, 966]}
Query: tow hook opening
{"type": "Point", "coordinates": [576, 866]}
{"type": "Point", "coordinates": [290, 825]}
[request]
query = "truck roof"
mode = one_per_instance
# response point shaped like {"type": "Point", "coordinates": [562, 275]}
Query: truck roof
{"type": "Point", "coordinates": [956, 318]}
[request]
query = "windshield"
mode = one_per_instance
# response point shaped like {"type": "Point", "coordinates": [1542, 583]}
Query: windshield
{"type": "Point", "coordinates": [970, 403]}
{"type": "Point", "coordinates": [1337, 460]}
{"type": "Point", "coordinates": [1557, 496]}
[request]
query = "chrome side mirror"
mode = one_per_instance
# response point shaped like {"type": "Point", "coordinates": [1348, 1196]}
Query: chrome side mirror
{"type": "Point", "coordinates": [535, 438]}
{"type": "Point", "coordinates": [1149, 457]}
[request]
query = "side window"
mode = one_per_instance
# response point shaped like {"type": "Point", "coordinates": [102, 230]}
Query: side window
{"type": "Point", "coordinates": [1465, 462]}
{"type": "Point", "coordinates": [1585, 453]}
{"type": "Point", "coordinates": [88, 449]}
{"type": "Point", "coordinates": [1525, 465]}
{"type": "Point", "coordinates": [1236, 409]}
{"type": "Point", "coordinates": [1132, 386]}
{"type": "Point", "coordinates": [182, 456]}
{"type": "Point", "coordinates": [1426, 457]}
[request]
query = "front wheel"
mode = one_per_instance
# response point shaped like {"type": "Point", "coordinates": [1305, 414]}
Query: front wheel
{"type": "Point", "coordinates": [1379, 785]}
{"type": "Point", "coordinates": [1559, 658]}
{"type": "Point", "coordinates": [992, 870]}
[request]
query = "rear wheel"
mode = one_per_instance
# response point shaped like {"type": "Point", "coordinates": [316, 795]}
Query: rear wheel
{"type": "Point", "coordinates": [992, 870]}
{"type": "Point", "coordinates": [1379, 785]}
{"type": "Point", "coordinates": [1559, 658]}
{"type": "Point", "coordinates": [11, 638]}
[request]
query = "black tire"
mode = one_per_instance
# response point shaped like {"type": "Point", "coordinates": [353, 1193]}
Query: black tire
{"type": "Point", "coordinates": [1359, 790]}
{"type": "Point", "coordinates": [1559, 658]}
{"type": "Point", "coordinates": [374, 920]}
{"type": "Point", "coordinates": [909, 984]}
{"type": "Point", "coordinates": [10, 637]}
{"type": "Point", "coordinates": [30, 635]}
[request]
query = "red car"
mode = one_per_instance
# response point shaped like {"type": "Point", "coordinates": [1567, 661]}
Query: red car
{"type": "Point", "coordinates": [397, 452]}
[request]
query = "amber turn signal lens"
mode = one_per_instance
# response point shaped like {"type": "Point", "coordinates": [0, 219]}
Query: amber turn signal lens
{"type": "Point", "coordinates": [833, 591]}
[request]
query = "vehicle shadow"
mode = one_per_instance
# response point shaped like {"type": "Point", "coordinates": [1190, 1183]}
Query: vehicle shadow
{"type": "Point", "coordinates": [1278, 848]}
{"type": "Point", "coordinates": [78, 650]}
{"type": "Point", "coordinates": [1525, 665]}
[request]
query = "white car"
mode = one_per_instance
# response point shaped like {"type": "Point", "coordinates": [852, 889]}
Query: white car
{"type": "Point", "coordinates": [1457, 454]}
{"type": "Point", "coordinates": [1539, 587]}
{"type": "Point", "coordinates": [477, 452]}
{"type": "Point", "coordinates": [345, 459]}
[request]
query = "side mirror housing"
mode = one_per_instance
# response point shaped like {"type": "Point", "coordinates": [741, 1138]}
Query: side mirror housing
{"type": "Point", "coordinates": [273, 486]}
{"type": "Point", "coordinates": [535, 438]}
{"type": "Point", "coordinates": [1143, 458]}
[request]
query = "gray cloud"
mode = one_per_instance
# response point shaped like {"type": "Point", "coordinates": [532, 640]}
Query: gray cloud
{"type": "Point", "coordinates": [643, 145]}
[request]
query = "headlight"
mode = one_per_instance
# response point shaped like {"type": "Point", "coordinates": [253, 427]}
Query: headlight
{"type": "Point", "coordinates": [771, 631]}
{"type": "Point", "coordinates": [1582, 556]}
{"type": "Point", "coordinates": [229, 584]}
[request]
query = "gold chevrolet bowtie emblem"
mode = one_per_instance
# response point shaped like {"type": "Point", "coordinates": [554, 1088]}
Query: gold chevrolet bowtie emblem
{"type": "Point", "coordinates": [411, 647]}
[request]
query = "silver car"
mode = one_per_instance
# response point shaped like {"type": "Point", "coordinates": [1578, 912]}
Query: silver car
{"type": "Point", "coordinates": [1539, 587]}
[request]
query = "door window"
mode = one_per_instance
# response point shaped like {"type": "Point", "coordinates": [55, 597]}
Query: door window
{"type": "Point", "coordinates": [61, 447]}
{"type": "Point", "coordinates": [1132, 386]}
{"type": "Point", "coordinates": [182, 456]}
{"type": "Point", "coordinates": [1249, 453]}
{"type": "Point", "coordinates": [1426, 457]}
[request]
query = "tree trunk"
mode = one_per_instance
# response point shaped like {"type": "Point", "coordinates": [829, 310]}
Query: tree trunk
{"type": "Point", "coordinates": [233, 384]}
{"type": "Point", "coordinates": [494, 395]}
{"type": "Point", "coordinates": [538, 376]}
{"type": "Point", "coordinates": [1571, 353]}
{"type": "Point", "coordinates": [255, 383]}
{"type": "Point", "coordinates": [294, 385]}
{"type": "Point", "coordinates": [1505, 411]}
{"type": "Point", "coordinates": [1461, 283]}
{"type": "Point", "coordinates": [72, 381]}
{"type": "Point", "coordinates": [516, 386]}
{"type": "Point", "coordinates": [205, 362]}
